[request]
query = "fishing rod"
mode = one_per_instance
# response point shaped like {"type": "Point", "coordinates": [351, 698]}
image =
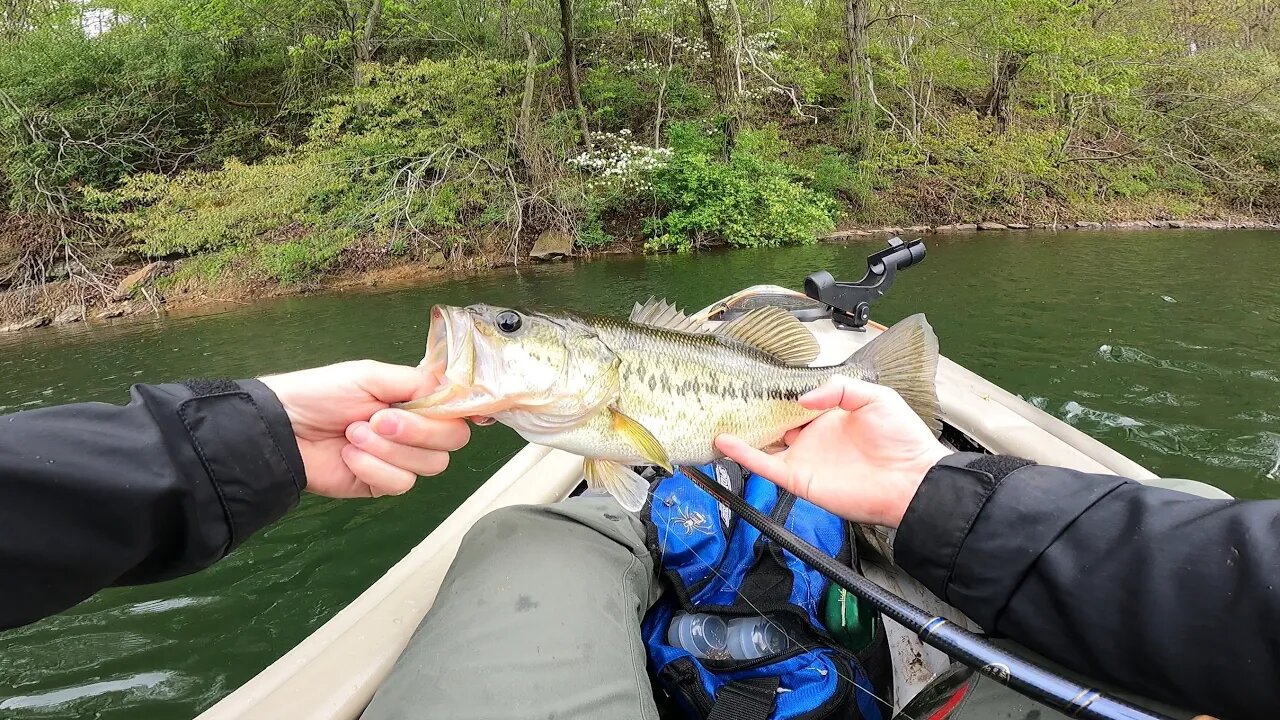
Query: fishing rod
{"type": "Point", "coordinates": [1024, 676]}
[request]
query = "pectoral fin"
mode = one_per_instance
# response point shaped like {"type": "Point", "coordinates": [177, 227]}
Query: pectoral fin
{"type": "Point", "coordinates": [641, 439]}
{"type": "Point", "coordinates": [621, 481]}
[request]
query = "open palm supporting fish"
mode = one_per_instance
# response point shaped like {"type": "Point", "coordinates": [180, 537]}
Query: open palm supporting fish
{"type": "Point", "coordinates": [655, 389]}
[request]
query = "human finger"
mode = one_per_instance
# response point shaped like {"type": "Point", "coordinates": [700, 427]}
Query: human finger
{"type": "Point", "coordinates": [407, 428]}
{"type": "Point", "coordinates": [381, 477]}
{"type": "Point", "coordinates": [417, 460]}
{"type": "Point", "coordinates": [392, 383]}
{"type": "Point", "coordinates": [759, 462]}
{"type": "Point", "coordinates": [844, 393]}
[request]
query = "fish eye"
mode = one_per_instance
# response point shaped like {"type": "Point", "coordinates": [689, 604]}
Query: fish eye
{"type": "Point", "coordinates": [508, 321]}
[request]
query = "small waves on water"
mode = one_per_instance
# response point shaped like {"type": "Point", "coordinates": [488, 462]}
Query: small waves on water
{"type": "Point", "coordinates": [125, 692]}
{"type": "Point", "coordinates": [1123, 354]}
{"type": "Point", "coordinates": [1257, 454]}
{"type": "Point", "coordinates": [1190, 409]}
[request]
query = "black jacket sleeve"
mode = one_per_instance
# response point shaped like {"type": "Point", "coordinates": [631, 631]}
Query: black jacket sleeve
{"type": "Point", "coordinates": [1167, 594]}
{"type": "Point", "coordinates": [94, 495]}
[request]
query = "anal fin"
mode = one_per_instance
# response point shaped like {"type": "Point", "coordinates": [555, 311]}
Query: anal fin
{"type": "Point", "coordinates": [622, 482]}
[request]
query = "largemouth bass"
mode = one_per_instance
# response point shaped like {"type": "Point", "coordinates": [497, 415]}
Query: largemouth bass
{"type": "Point", "coordinates": [655, 389]}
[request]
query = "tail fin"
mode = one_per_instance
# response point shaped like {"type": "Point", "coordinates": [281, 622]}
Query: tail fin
{"type": "Point", "coordinates": [905, 358]}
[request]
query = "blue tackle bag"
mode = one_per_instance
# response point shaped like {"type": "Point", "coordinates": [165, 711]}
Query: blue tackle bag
{"type": "Point", "coordinates": [738, 631]}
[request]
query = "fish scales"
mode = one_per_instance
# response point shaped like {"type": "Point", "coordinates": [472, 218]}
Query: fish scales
{"type": "Point", "coordinates": [654, 391]}
{"type": "Point", "coordinates": [689, 388]}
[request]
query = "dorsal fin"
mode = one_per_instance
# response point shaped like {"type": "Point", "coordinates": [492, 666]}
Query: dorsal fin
{"type": "Point", "coordinates": [663, 315]}
{"type": "Point", "coordinates": [773, 331]}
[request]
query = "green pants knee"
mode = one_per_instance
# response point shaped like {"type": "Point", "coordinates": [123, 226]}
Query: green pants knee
{"type": "Point", "coordinates": [538, 617]}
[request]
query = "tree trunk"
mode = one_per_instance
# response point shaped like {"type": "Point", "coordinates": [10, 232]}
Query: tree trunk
{"type": "Point", "coordinates": [363, 50]}
{"type": "Point", "coordinates": [570, 62]}
{"type": "Point", "coordinates": [524, 125]}
{"type": "Point", "coordinates": [526, 146]}
{"type": "Point", "coordinates": [997, 100]}
{"type": "Point", "coordinates": [855, 41]}
{"type": "Point", "coordinates": [721, 78]}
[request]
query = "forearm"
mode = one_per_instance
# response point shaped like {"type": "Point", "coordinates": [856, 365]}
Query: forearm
{"type": "Point", "coordinates": [1164, 593]}
{"type": "Point", "coordinates": [94, 495]}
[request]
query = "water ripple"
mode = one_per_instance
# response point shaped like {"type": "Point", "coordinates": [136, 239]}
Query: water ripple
{"type": "Point", "coordinates": [1074, 413]}
{"type": "Point", "coordinates": [167, 604]}
{"type": "Point", "coordinates": [1124, 354]}
{"type": "Point", "coordinates": [152, 685]}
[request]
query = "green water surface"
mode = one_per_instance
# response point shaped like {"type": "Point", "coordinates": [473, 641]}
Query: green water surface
{"type": "Point", "coordinates": [1162, 344]}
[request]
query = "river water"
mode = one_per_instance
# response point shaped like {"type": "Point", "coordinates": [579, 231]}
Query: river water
{"type": "Point", "coordinates": [1163, 344]}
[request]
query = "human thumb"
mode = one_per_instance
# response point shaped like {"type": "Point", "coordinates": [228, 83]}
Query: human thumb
{"type": "Point", "coordinates": [391, 383]}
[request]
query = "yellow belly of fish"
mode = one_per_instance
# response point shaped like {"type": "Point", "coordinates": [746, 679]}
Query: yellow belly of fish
{"type": "Point", "coordinates": [685, 427]}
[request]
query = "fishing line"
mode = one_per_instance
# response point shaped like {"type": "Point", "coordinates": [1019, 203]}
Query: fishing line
{"type": "Point", "coordinates": [500, 459]}
{"type": "Point", "coordinates": [807, 650]}
{"type": "Point", "coordinates": [1009, 669]}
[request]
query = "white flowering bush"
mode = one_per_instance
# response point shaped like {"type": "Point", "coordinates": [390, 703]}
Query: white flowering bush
{"type": "Point", "coordinates": [764, 45]}
{"type": "Point", "coordinates": [642, 66]}
{"type": "Point", "coordinates": [617, 162]}
{"type": "Point", "coordinates": [695, 47]}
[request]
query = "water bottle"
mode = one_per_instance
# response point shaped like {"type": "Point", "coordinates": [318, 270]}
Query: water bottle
{"type": "Point", "coordinates": [755, 637]}
{"type": "Point", "coordinates": [704, 636]}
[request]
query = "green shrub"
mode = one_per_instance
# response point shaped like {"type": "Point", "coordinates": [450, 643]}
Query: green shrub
{"type": "Point", "coordinates": [968, 169]}
{"type": "Point", "coordinates": [615, 97]}
{"type": "Point", "coordinates": [202, 211]}
{"type": "Point", "coordinates": [300, 260]}
{"type": "Point", "coordinates": [423, 146]}
{"type": "Point", "coordinates": [838, 174]}
{"type": "Point", "coordinates": [747, 202]}
{"type": "Point", "coordinates": [591, 233]}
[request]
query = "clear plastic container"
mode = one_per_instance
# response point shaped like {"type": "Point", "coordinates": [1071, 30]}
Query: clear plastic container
{"type": "Point", "coordinates": [755, 637]}
{"type": "Point", "coordinates": [705, 636]}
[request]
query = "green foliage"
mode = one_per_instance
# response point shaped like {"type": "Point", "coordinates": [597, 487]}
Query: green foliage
{"type": "Point", "coordinates": [201, 211]}
{"type": "Point", "coordinates": [79, 111]}
{"type": "Point", "coordinates": [838, 174]}
{"type": "Point", "coordinates": [263, 137]}
{"type": "Point", "coordinates": [969, 170]}
{"type": "Point", "coordinates": [413, 148]}
{"type": "Point", "coordinates": [754, 200]}
{"type": "Point", "coordinates": [296, 261]}
{"type": "Point", "coordinates": [617, 98]}
{"type": "Point", "coordinates": [591, 234]}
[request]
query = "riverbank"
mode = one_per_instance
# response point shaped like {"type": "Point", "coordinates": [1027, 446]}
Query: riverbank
{"type": "Point", "coordinates": [159, 287]}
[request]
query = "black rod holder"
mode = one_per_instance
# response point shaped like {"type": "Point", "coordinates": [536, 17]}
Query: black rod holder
{"type": "Point", "coordinates": [850, 302]}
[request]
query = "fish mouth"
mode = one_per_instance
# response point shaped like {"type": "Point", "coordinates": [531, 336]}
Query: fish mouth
{"type": "Point", "coordinates": [451, 351]}
{"type": "Point", "coordinates": [439, 340]}
{"type": "Point", "coordinates": [451, 360]}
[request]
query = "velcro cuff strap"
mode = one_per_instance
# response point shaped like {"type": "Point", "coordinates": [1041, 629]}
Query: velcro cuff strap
{"type": "Point", "coordinates": [245, 443]}
{"type": "Point", "coordinates": [939, 518]}
{"type": "Point", "coordinates": [746, 700]}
